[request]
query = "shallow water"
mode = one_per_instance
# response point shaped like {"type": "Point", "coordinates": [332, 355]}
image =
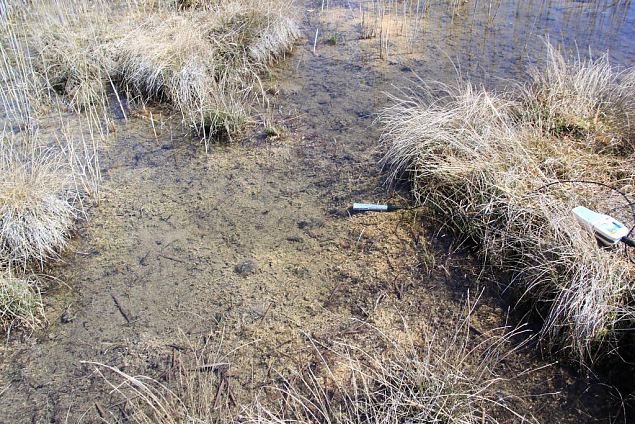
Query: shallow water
{"type": "Point", "coordinates": [493, 39]}
{"type": "Point", "coordinates": [175, 223]}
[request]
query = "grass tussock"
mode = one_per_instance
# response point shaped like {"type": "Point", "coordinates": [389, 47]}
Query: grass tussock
{"type": "Point", "coordinates": [146, 400]}
{"type": "Point", "coordinates": [442, 379]}
{"type": "Point", "coordinates": [195, 389]}
{"type": "Point", "coordinates": [204, 58]}
{"type": "Point", "coordinates": [71, 47]}
{"type": "Point", "coordinates": [49, 166]}
{"type": "Point", "coordinates": [36, 207]}
{"type": "Point", "coordinates": [211, 74]}
{"type": "Point", "coordinates": [49, 171]}
{"type": "Point", "coordinates": [481, 161]}
{"type": "Point", "coordinates": [584, 98]}
{"type": "Point", "coordinates": [20, 303]}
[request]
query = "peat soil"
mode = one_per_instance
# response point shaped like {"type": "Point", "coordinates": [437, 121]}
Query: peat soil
{"type": "Point", "coordinates": [249, 247]}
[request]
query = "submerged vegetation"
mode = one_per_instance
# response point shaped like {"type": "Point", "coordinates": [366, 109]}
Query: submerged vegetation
{"type": "Point", "coordinates": [505, 170]}
{"type": "Point", "coordinates": [63, 62]}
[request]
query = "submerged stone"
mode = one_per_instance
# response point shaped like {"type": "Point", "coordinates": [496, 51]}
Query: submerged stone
{"type": "Point", "coordinates": [246, 267]}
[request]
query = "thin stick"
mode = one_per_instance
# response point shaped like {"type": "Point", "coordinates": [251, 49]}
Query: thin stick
{"type": "Point", "coordinates": [315, 41]}
{"type": "Point", "coordinates": [121, 309]}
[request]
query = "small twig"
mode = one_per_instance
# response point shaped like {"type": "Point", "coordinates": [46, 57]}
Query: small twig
{"type": "Point", "coordinates": [337, 286]}
{"type": "Point", "coordinates": [177, 347]}
{"type": "Point", "coordinates": [232, 398]}
{"type": "Point", "coordinates": [156, 137]}
{"type": "Point", "coordinates": [123, 412]}
{"type": "Point", "coordinates": [173, 365]}
{"type": "Point", "coordinates": [142, 261]}
{"type": "Point", "coordinates": [220, 366]}
{"type": "Point", "coordinates": [121, 309]}
{"type": "Point", "coordinates": [399, 287]}
{"type": "Point", "coordinates": [100, 411]}
{"type": "Point", "coordinates": [262, 317]}
{"type": "Point", "coordinates": [221, 385]}
{"type": "Point", "coordinates": [172, 258]}
{"type": "Point", "coordinates": [315, 41]}
{"type": "Point", "coordinates": [361, 234]}
{"type": "Point", "coordinates": [475, 330]}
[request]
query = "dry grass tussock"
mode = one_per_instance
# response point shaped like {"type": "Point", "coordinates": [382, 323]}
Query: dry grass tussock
{"type": "Point", "coordinates": [585, 98]}
{"type": "Point", "coordinates": [482, 160]}
{"type": "Point", "coordinates": [37, 204]}
{"type": "Point", "coordinates": [444, 379]}
{"type": "Point", "coordinates": [47, 176]}
{"type": "Point", "coordinates": [202, 57]}
{"type": "Point", "coordinates": [71, 46]}
{"type": "Point", "coordinates": [49, 169]}
{"type": "Point", "coordinates": [196, 389]}
{"type": "Point", "coordinates": [404, 377]}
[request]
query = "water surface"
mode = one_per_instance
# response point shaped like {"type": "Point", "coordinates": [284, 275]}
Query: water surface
{"type": "Point", "coordinates": [493, 39]}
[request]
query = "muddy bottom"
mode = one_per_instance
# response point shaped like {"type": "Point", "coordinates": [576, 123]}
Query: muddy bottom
{"type": "Point", "coordinates": [250, 248]}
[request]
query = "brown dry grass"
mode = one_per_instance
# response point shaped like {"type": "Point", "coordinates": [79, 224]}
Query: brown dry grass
{"type": "Point", "coordinates": [482, 160]}
{"type": "Point", "coordinates": [398, 375]}
{"type": "Point", "coordinates": [586, 98]}
{"type": "Point", "coordinates": [49, 170]}
{"type": "Point", "coordinates": [195, 389]}
{"type": "Point", "coordinates": [450, 379]}
{"type": "Point", "coordinates": [204, 58]}
{"type": "Point", "coordinates": [20, 303]}
{"type": "Point", "coordinates": [37, 203]}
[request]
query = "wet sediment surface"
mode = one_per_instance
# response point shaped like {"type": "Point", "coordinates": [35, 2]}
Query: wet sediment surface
{"type": "Point", "coordinates": [249, 244]}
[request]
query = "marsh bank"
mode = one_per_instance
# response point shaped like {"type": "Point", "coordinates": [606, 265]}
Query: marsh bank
{"type": "Point", "coordinates": [156, 264]}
